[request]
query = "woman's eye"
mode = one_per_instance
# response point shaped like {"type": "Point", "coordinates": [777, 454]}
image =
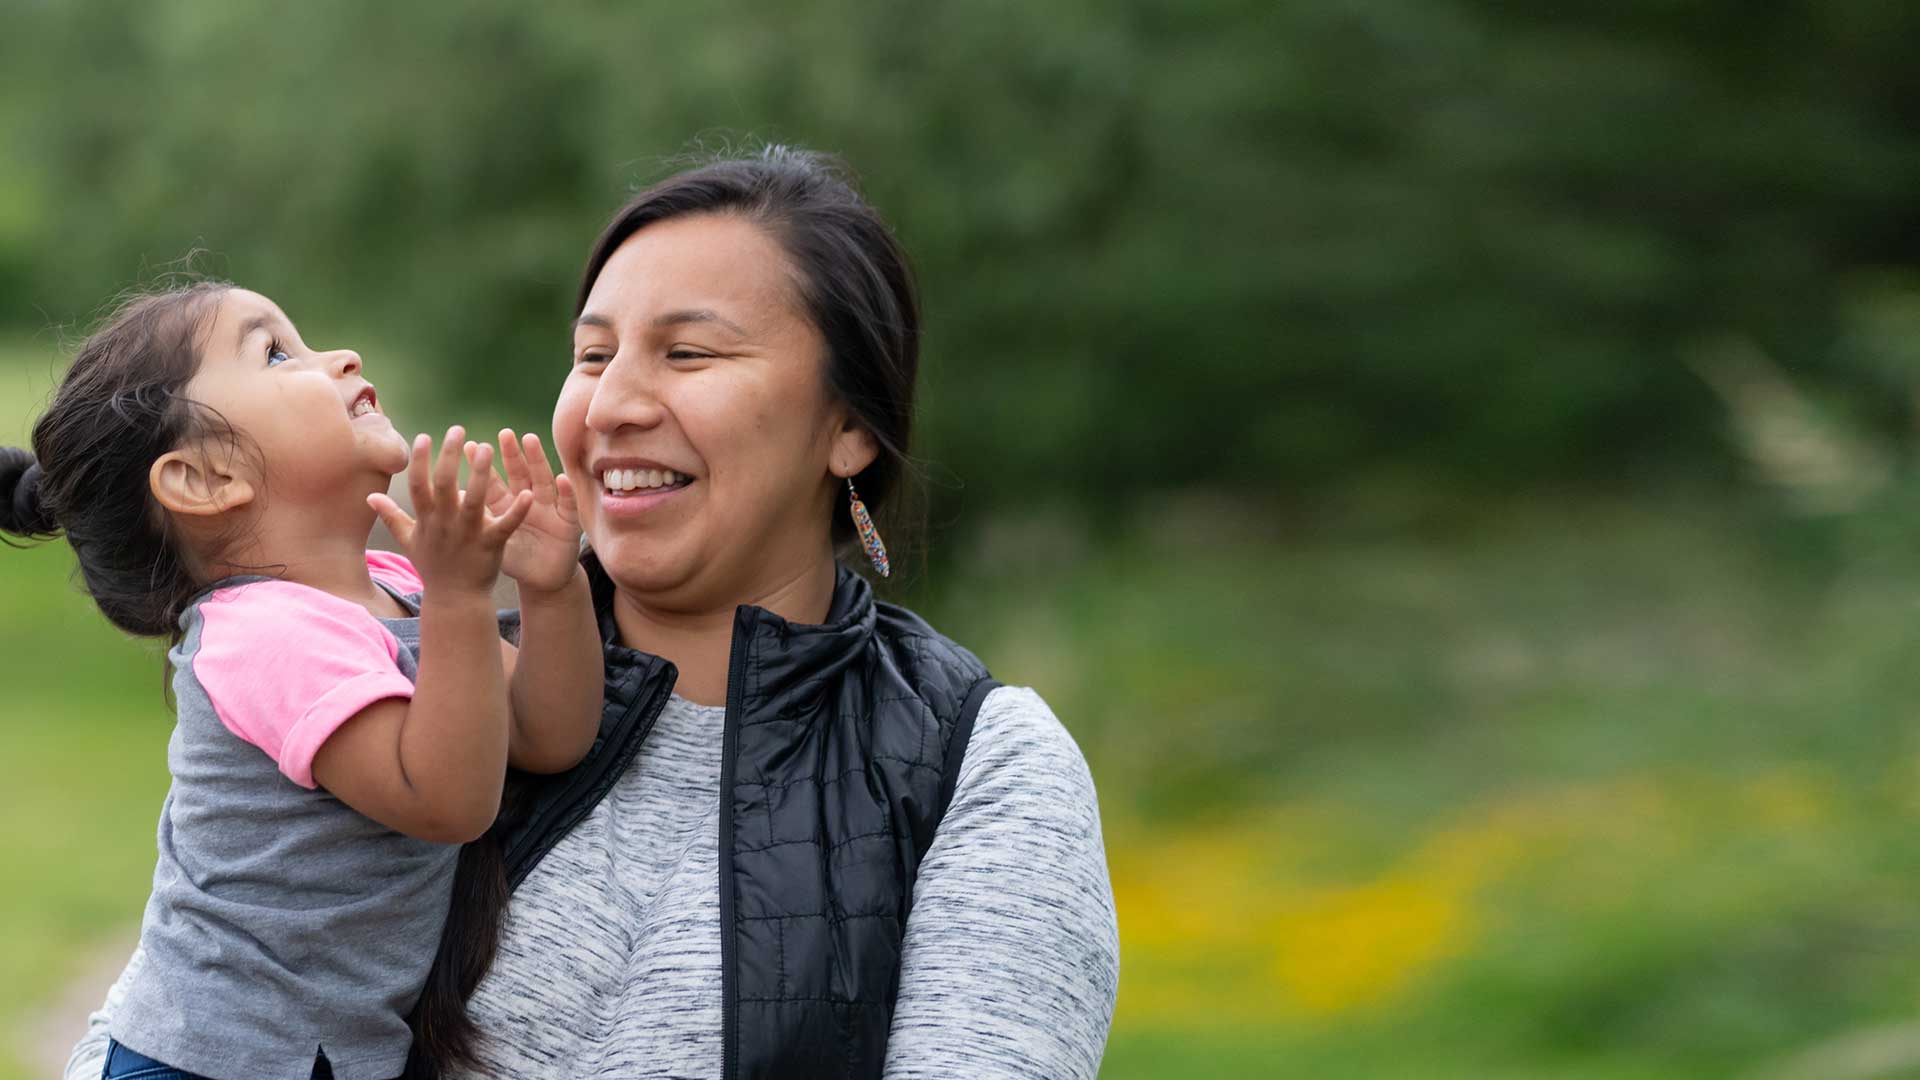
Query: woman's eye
{"type": "Point", "coordinates": [592, 358]}
{"type": "Point", "coordinates": [686, 354]}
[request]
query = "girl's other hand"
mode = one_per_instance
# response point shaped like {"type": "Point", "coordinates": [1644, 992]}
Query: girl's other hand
{"type": "Point", "coordinates": [543, 554]}
{"type": "Point", "coordinates": [455, 538]}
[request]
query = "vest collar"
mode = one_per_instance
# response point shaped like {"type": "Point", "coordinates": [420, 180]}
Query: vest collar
{"type": "Point", "coordinates": [781, 652]}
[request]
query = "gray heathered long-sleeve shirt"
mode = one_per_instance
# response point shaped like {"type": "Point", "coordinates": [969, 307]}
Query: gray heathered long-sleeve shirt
{"type": "Point", "coordinates": [609, 965]}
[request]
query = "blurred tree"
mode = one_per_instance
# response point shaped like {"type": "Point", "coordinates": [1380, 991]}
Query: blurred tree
{"type": "Point", "coordinates": [1164, 242]}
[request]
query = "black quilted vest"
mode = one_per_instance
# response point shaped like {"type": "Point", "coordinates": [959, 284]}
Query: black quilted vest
{"type": "Point", "coordinates": [842, 744]}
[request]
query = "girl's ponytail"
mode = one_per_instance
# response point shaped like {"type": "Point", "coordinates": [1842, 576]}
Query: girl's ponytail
{"type": "Point", "coordinates": [121, 404]}
{"type": "Point", "coordinates": [23, 512]}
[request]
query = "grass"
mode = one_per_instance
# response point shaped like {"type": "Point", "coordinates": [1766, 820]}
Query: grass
{"type": "Point", "coordinates": [82, 774]}
{"type": "Point", "coordinates": [1575, 787]}
{"type": "Point", "coordinates": [1569, 787]}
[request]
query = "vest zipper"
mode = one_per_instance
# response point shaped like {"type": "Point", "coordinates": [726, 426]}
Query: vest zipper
{"type": "Point", "coordinates": [577, 802]}
{"type": "Point", "coordinates": [729, 745]}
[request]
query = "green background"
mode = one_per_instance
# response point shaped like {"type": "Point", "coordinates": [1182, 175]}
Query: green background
{"type": "Point", "coordinates": [1449, 464]}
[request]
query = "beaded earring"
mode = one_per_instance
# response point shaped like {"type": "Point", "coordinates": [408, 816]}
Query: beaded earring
{"type": "Point", "coordinates": [869, 536]}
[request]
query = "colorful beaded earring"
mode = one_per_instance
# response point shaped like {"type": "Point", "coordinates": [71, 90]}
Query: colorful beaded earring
{"type": "Point", "coordinates": [869, 536]}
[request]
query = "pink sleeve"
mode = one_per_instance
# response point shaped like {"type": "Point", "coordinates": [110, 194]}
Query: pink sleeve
{"type": "Point", "coordinates": [396, 570]}
{"type": "Point", "coordinates": [286, 665]}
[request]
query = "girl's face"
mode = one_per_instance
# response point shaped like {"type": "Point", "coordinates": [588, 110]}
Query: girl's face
{"type": "Point", "coordinates": [313, 417]}
{"type": "Point", "coordinates": [696, 370]}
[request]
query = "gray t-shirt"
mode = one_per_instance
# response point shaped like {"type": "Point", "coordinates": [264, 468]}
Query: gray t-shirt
{"type": "Point", "coordinates": [283, 923]}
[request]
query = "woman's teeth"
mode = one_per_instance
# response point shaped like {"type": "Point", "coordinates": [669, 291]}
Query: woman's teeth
{"type": "Point", "coordinates": [632, 479]}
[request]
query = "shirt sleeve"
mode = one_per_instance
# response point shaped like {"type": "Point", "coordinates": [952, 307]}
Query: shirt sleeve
{"type": "Point", "coordinates": [285, 665]}
{"type": "Point", "coordinates": [1011, 960]}
{"type": "Point", "coordinates": [89, 1057]}
{"type": "Point", "coordinates": [396, 570]}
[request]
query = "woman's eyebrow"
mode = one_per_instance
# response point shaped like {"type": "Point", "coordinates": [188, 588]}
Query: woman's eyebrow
{"type": "Point", "coordinates": [671, 318]}
{"type": "Point", "coordinates": [696, 315]}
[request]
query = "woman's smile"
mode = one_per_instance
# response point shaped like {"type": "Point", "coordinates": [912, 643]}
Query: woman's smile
{"type": "Point", "coordinates": [631, 487]}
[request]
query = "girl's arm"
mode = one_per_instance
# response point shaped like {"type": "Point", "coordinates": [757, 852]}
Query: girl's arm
{"type": "Point", "coordinates": [1012, 956]}
{"type": "Point", "coordinates": [556, 681]}
{"type": "Point", "coordinates": [432, 766]}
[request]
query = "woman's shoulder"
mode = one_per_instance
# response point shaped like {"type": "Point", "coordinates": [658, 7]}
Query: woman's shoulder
{"type": "Point", "coordinates": [1017, 717]}
{"type": "Point", "coordinates": [1020, 756]}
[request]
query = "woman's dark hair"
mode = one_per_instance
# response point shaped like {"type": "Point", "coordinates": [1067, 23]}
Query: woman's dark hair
{"type": "Point", "coordinates": [120, 407]}
{"type": "Point", "coordinates": [444, 1034]}
{"type": "Point", "coordinates": [854, 281]}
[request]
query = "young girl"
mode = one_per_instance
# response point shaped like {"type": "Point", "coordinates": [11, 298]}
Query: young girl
{"type": "Point", "coordinates": [344, 717]}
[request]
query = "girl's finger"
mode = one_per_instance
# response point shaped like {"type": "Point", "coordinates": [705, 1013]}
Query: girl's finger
{"type": "Point", "coordinates": [542, 472]}
{"type": "Point", "coordinates": [446, 471]}
{"type": "Point", "coordinates": [395, 519]}
{"type": "Point", "coordinates": [474, 500]}
{"type": "Point", "coordinates": [563, 500]}
{"type": "Point", "coordinates": [501, 528]}
{"type": "Point", "coordinates": [498, 496]}
{"type": "Point", "coordinates": [419, 483]}
{"type": "Point", "coordinates": [513, 460]}
{"type": "Point", "coordinates": [474, 468]}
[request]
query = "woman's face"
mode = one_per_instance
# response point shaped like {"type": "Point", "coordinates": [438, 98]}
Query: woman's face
{"type": "Point", "coordinates": [696, 423]}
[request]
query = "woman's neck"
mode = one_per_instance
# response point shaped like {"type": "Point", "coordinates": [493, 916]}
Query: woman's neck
{"type": "Point", "coordinates": [700, 643]}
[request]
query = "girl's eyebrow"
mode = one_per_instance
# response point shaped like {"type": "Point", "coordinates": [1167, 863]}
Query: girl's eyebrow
{"type": "Point", "coordinates": [257, 322]}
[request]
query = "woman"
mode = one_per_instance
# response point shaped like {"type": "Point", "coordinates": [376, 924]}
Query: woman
{"type": "Point", "coordinates": [815, 838]}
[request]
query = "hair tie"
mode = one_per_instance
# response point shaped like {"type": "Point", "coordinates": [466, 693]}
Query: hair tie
{"type": "Point", "coordinates": [29, 510]}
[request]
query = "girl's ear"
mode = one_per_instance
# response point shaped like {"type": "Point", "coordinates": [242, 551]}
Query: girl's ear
{"type": "Point", "coordinates": [188, 482]}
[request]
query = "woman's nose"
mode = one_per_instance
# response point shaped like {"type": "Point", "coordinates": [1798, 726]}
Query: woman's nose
{"type": "Point", "coordinates": [624, 396]}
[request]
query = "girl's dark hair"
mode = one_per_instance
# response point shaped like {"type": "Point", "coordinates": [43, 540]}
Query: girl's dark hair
{"type": "Point", "coordinates": [120, 406]}
{"type": "Point", "coordinates": [854, 281]}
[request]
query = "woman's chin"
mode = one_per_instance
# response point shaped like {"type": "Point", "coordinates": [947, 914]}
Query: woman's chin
{"type": "Point", "coordinates": [643, 567]}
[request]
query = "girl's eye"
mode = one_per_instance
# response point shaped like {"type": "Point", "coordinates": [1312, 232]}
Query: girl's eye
{"type": "Point", "coordinates": [276, 354]}
{"type": "Point", "coordinates": [592, 358]}
{"type": "Point", "coordinates": [683, 354]}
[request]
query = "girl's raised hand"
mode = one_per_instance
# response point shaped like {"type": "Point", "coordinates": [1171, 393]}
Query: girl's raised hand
{"type": "Point", "coordinates": [544, 552]}
{"type": "Point", "coordinates": [454, 538]}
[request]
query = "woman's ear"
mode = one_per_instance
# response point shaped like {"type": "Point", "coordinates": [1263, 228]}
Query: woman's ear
{"type": "Point", "coordinates": [853, 449]}
{"type": "Point", "coordinates": [189, 482]}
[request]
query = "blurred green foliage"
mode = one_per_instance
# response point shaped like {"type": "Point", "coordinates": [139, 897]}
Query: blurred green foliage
{"type": "Point", "coordinates": [1245, 320]}
{"type": "Point", "coordinates": [1163, 241]}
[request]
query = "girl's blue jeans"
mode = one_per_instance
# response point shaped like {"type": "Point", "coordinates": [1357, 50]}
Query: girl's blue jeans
{"type": "Point", "coordinates": [125, 1064]}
